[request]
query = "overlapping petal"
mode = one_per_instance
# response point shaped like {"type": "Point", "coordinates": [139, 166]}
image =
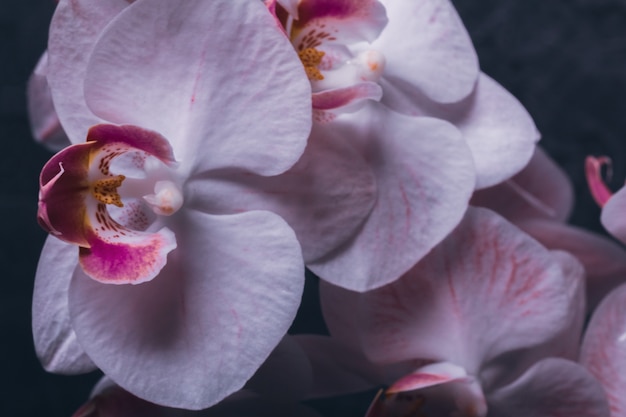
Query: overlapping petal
{"type": "Point", "coordinates": [612, 216]}
{"type": "Point", "coordinates": [75, 27]}
{"type": "Point", "coordinates": [552, 387]}
{"type": "Point", "coordinates": [199, 330]}
{"type": "Point", "coordinates": [604, 347]}
{"type": "Point", "coordinates": [44, 122]}
{"type": "Point", "coordinates": [467, 304]}
{"type": "Point", "coordinates": [424, 175]}
{"type": "Point", "coordinates": [428, 50]}
{"type": "Point", "coordinates": [212, 101]}
{"type": "Point", "coordinates": [497, 128]}
{"type": "Point", "coordinates": [325, 197]}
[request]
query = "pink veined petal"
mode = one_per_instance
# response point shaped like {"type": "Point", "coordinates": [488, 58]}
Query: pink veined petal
{"type": "Point", "coordinates": [428, 51]}
{"type": "Point", "coordinates": [466, 304]}
{"type": "Point", "coordinates": [540, 191]}
{"type": "Point", "coordinates": [219, 307]}
{"type": "Point", "coordinates": [44, 122]}
{"type": "Point", "coordinates": [326, 197]}
{"type": "Point", "coordinates": [604, 347]}
{"type": "Point", "coordinates": [612, 216]}
{"type": "Point", "coordinates": [603, 259]}
{"type": "Point", "coordinates": [193, 85]}
{"type": "Point", "coordinates": [55, 340]}
{"type": "Point", "coordinates": [75, 27]}
{"type": "Point", "coordinates": [424, 177]}
{"type": "Point", "coordinates": [593, 171]}
{"type": "Point", "coordinates": [552, 387]}
{"type": "Point", "coordinates": [344, 21]}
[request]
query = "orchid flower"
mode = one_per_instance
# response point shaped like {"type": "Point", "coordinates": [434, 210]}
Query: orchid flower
{"type": "Point", "coordinates": [539, 200]}
{"type": "Point", "coordinates": [487, 324]}
{"type": "Point", "coordinates": [171, 96]}
{"type": "Point", "coordinates": [417, 59]}
{"type": "Point", "coordinates": [603, 349]}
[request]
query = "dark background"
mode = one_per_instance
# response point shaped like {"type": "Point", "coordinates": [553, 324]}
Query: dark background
{"type": "Point", "coordinates": [565, 60]}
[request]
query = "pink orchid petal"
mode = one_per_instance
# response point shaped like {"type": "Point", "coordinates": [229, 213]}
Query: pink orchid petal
{"type": "Point", "coordinates": [603, 259]}
{"type": "Point", "coordinates": [541, 190]}
{"type": "Point", "coordinates": [325, 197]}
{"type": "Point", "coordinates": [218, 308]}
{"type": "Point", "coordinates": [75, 27]}
{"type": "Point", "coordinates": [193, 85]}
{"type": "Point", "coordinates": [344, 21]}
{"type": "Point", "coordinates": [44, 122]}
{"type": "Point", "coordinates": [428, 51]}
{"type": "Point", "coordinates": [501, 293]}
{"type": "Point", "coordinates": [552, 387]}
{"type": "Point", "coordinates": [593, 171]}
{"type": "Point", "coordinates": [603, 350]}
{"type": "Point", "coordinates": [339, 369]}
{"type": "Point", "coordinates": [424, 175]}
{"type": "Point", "coordinates": [612, 216]}
{"type": "Point", "coordinates": [55, 340]}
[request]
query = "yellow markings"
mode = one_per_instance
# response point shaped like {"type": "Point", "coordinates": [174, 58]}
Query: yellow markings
{"type": "Point", "coordinates": [105, 190]}
{"type": "Point", "coordinates": [311, 58]}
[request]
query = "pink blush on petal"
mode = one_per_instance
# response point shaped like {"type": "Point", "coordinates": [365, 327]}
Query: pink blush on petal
{"type": "Point", "coordinates": [130, 262]}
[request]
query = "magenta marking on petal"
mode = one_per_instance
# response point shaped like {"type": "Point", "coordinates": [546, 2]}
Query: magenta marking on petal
{"type": "Point", "coordinates": [134, 259]}
{"type": "Point", "coordinates": [416, 381]}
{"type": "Point", "coordinates": [338, 9]}
{"type": "Point", "coordinates": [593, 171]}
{"type": "Point", "coordinates": [344, 97]}
{"type": "Point", "coordinates": [136, 137]}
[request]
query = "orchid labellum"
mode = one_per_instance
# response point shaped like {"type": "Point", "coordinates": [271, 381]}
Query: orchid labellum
{"type": "Point", "coordinates": [170, 96]}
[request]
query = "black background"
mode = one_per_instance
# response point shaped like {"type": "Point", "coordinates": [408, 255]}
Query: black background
{"type": "Point", "coordinates": [565, 60]}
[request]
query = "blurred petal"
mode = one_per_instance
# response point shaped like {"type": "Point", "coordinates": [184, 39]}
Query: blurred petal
{"type": "Point", "coordinates": [75, 27]}
{"type": "Point", "coordinates": [612, 216]}
{"type": "Point", "coordinates": [424, 176]}
{"type": "Point", "coordinates": [464, 303]}
{"type": "Point", "coordinates": [603, 259]}
{"type": "Point", "coordinates": [337, 368]}
{"type": "Point", "coordinates": [552, 387]}
{"type": "Point", "coordinates": [218, 308]}
{"type": "Point", "coordinates": [541, 190]}
{"type": "Point", "coordinates": [55, 340]}
{"type": "Point", "coordinates": [603, 351]}
{"type": "Point", "coordinates": [44, 122]}
{"type": "Point", "coordinates": [428, 50]}
{"type": "Point", "coordinates": [325, 197]}
{"type": "Point", "coordinates": [286, 375]}
{"type": "Point", "coordinates": [193, 85]}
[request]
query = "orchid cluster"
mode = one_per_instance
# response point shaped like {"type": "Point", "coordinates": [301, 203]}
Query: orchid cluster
{"type": "Point", "coordinates": [209, 151]}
